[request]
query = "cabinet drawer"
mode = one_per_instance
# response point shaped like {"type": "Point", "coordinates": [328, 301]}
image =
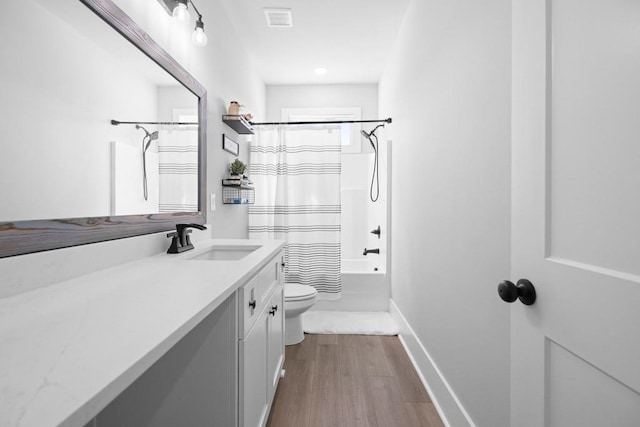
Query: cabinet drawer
{"type": "Point", "coordinates": [255, 294]}
{"type": "Point", "coordinates": [250, 306]}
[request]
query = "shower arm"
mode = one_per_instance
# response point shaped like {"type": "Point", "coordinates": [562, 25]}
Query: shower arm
{"type": "Point", "coordinates": [368, 135]}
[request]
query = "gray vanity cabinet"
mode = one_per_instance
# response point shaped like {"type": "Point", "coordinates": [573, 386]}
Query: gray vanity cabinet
{"type": "Point", "coordinates": [261, 343]}
{"type": "Point", "coordinates": [222, 373]}
{"type": "Point", "coordinates": [193, 384]}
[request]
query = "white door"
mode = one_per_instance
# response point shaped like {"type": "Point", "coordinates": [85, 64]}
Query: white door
{"type": "Point", "coordinates": [576, 212]}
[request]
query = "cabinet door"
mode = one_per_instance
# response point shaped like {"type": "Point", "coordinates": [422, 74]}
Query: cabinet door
{"type": "Point", "coordinates": [275, 341]}
{"type": "Point", "coordinates": [253, 374]}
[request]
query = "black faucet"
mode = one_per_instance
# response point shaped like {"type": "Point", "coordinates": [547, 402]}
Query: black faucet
{"type": "Point", "coordinates": [370, 251]}
{"type": "Point", "coordinates": [180, 240]}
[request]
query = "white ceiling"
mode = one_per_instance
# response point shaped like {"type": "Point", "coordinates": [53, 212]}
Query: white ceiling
{"type": "Point", "coordinates": [351, 38]}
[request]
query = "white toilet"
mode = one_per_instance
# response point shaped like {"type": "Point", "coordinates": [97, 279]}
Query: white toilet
{"type": "Point", "coordinates": [297, 299]}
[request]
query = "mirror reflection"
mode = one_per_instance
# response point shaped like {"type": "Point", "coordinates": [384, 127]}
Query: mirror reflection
{"type": "Point", "coordinates": [65, 78]}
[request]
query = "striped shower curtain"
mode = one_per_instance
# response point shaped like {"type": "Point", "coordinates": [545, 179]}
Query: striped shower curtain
{"type": "Point", "coordinates": [178, 170]}
{"type": "Point", "coordinates": [296, 174]}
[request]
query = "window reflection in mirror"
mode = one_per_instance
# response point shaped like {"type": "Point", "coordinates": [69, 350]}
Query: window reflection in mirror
{"type": "Point", "coordinates": [65, 75]}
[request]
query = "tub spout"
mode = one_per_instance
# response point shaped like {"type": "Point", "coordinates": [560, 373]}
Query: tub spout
{"type": "Point", "coordinates": [370, 251]}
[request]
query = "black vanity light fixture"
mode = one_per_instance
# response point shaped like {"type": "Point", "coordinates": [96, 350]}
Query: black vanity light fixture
{"type": "Point", "coordinates": [179, 9]}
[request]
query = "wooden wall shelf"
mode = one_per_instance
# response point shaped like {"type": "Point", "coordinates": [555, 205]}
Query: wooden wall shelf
{"type": "Point", "coordinates": [238, 124]}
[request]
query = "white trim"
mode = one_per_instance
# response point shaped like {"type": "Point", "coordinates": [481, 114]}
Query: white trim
{"type": "Point", "coordinates": [186, 115]}
{"type": "Point", "coordinates": [595, 269]}
{"type": "Point", "coordinates": [329, 113]}
{"type": "Point", "coordinates": [442, 395]}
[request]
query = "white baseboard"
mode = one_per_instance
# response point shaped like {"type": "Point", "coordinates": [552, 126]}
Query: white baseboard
{"type": "Point", "coordinates": [444, 399]}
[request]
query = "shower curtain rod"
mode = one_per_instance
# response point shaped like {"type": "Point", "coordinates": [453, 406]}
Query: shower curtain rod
{"type": "Point", "coordinates": [117, 122]}
{"type": "Point", "coordinates": [388, 120]}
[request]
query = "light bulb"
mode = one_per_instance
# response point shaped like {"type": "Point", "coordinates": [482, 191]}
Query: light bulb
{"type": "Point", "coordinates": [180, 11]}
{"type": "Point", "coordinates": [199, 37]}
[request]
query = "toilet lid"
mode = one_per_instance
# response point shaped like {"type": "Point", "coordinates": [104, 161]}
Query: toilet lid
{"type": "Point", "coordinates": [296, 291]}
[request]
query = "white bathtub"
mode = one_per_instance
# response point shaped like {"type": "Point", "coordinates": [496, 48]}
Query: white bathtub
{"type": "Point", "coordinates": [363, 288]}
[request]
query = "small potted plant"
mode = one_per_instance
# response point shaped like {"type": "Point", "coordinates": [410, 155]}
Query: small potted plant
{"type": "Point", "coordinates": [237, 169]}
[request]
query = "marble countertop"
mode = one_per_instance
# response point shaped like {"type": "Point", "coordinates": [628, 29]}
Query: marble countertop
{"type": "Point", "coordinates": [69, 349]}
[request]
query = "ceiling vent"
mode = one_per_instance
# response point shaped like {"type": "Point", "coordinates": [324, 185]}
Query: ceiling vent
{"type": "Point", "coordinates": [279, 18]}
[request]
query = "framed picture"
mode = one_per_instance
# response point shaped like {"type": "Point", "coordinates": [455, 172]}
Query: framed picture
{"type": "Point", "coordinates": [230, 145]}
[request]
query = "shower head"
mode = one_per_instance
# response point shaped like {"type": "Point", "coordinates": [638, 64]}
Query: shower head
{"type": "Point", "coordinates": [151, 135]}
{"type": "Point", "coordinates": [368, 135]}
{"type": "Point", "coordinates": [371, 134]}
{"type": "Point", "coordinates": [148, 136]}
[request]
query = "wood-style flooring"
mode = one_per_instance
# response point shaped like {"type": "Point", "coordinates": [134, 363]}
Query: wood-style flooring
{"type": "Point", "coordinates": [350, 381]}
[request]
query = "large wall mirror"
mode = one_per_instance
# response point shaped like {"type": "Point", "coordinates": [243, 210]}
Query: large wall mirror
{"type": "Point", "coordinates": [68, 174]}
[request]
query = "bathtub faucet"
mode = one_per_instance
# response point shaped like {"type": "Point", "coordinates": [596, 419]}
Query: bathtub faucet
{"type": "Point", "coordinates": [370, 251]}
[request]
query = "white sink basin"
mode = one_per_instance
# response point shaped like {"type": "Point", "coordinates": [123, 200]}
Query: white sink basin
{"type": "Point", "coordinates": [225, 253]}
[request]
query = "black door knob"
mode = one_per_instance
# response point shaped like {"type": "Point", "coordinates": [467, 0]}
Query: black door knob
{"type": "Point", "coordinates": [523, 290]}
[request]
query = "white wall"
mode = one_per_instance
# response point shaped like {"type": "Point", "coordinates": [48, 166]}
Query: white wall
{"type": "Point", "coordinates": [447, 87]}
{"type": "Point", "coordinates": [224, 68]}
{"type": "Point", "coordinates": [312, 96]}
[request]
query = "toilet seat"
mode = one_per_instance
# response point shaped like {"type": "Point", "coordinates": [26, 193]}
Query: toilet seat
{"type": "Point", "coordinates": [298, 292]}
